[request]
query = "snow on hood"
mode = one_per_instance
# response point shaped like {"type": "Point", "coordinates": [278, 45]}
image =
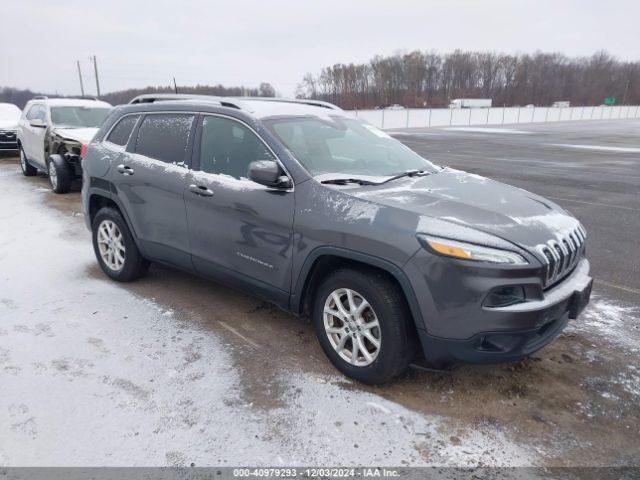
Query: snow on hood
{"type": "Point", "coordinates": [6, 124]}
{"type": "Point", "coordinates": [474, 202]}
{"type": "Point", "coordinates": [82, 135]}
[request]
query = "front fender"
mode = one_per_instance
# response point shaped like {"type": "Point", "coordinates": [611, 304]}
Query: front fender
{"type": "Point", "coordinates": [296, 298]}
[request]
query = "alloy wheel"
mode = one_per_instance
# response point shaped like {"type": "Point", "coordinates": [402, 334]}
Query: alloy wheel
{"type": "Point", "coordinates": [53, 175]}
{"type": "Point", "coordinates": [352, 327]}
{"type": "Point", "coordinates": [111, 245]}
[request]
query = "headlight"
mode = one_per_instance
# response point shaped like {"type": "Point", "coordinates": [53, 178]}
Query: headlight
{"type": "Point", "coordinates": [469, 251]}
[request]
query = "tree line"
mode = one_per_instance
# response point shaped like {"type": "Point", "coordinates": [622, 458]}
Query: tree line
{"type": "Point", "coordinates": [21, 97]}
{"type": "Point", "coordinates": [420, 79]}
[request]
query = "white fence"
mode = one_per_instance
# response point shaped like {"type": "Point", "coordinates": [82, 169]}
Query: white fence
{"type": "Point", "coordinates": [437, 117]}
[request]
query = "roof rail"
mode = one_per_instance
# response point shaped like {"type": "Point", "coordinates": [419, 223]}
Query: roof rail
{"type": "Point", "coordinates": [160, 97]}
{"type": "Point", "coordinates": [304, 101]}
{"type": "Point", "coordinates": [40, 97]}
{"type": "Point", "coordinates": [233, 102]}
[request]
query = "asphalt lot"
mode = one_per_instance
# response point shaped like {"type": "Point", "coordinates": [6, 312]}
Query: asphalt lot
{"type": "Point", "coordinates": [177, 370]}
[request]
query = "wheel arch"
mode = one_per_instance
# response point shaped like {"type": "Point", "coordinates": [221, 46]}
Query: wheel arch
{"type": "Point", "coordinates": [323, 260]}
{"type": "Point", "coordinates": [98, 199]}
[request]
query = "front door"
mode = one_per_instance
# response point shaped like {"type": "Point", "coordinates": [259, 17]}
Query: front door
{"type": "Point", "coordinates": [150, 177]}
{"type": "Point", "coordinates": [240, 231]}
{"type": "Point", "coordinates": [33, 143]}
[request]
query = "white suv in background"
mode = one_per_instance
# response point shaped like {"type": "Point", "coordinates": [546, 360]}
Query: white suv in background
{"type": "Point", "coordinates": [51, 134]}
{"type": "Point", "coordinates": [9, 117]}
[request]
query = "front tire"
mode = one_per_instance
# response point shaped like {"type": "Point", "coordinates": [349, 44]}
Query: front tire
{"type": "Point", "coordinates": [59, 174]}
{"type": "Point", "coordinates": [28, 170]}
{"type": "Point", "coordinates": [364, 325]}
{"type": "Point", "coordinates": [115, 248]}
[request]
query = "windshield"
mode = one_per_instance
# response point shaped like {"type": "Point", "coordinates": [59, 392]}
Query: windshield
{"type": "Point", "coordinates": [345, 146]}
{"type": "Point", "coordinates": [78, 117]}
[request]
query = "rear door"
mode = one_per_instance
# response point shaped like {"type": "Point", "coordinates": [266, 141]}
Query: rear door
{"type": "Point", "coordinates": [150, 179]}
{"type": "Point", "coordinates": [240, 231]}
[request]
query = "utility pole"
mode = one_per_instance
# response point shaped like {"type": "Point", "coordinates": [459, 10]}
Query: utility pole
{"type": "Point", "coordinates": [80, 77]}
{"type": "Point", "coordinates": [175, 86]}
{"type": "Point", "coordinates": [95, 69]}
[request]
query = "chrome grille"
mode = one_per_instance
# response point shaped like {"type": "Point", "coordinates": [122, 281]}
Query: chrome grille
{"type": "Point", "coordinates": [560, 256]}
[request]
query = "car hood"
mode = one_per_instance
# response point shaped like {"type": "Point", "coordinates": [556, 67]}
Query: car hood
{"type": "Point", "coordinates": [471, 201]}
{"type": "Point", "coordinates": [8, 124]}
{"type": "Point", "coordinates": [82, 135]}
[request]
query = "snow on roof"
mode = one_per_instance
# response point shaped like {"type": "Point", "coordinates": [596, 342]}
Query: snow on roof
{"type": "Point", "coordinates": [270, 108]}
{"type": "Point", "coordinates": [72, 102]}
{"type": "Point", "coordinates": [256, 106]}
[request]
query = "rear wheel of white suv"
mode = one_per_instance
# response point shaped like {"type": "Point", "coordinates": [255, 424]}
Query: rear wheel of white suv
{"type": "Point", "coordinates": [115, 248]}
{"type": "Point", "coordinates": [364, 325]}
{"type": "Point", "coordinates": [28, 170]}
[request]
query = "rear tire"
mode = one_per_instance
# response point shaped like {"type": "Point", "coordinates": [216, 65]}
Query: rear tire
{"type": "Point", "coordinates": [28, 170]}
{"type": "Point", "coordinates": [115, 248]}
{"type": "Point", "coordinates": [391, 346]}
{"type": "Point", "coordinates": [59, 174]}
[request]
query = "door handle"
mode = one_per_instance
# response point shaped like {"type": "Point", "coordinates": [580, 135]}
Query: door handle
{"type": "Point", "coordinates": [125, 170]}
{"type": "Point", "coordinates": [200, 190]}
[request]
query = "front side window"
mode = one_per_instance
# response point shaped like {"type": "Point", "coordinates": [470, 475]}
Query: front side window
{"type": "Point", "coordinates": [78, 117]}
{"type": "Point", "coordinates": [37, 111]}
{"type": "Point", "coordinates": [42, 113]}
{"type": "Point", "coordinates": [164, 136]}
{"type": "Point", "coordinates": [122, 131]}
{"type": "Point", "coordinates": [33, 112]}
{"type": "Point", "coordinates": [228, 147]}
{"type": "Point", "coordinates": [345, 146]}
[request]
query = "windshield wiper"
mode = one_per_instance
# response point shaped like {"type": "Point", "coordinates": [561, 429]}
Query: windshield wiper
{"type": "Point", "coordinates": [408, 173]}
{"type": "Point", "coordinates": [345, 181]}
{"type": "Point", "coordinates": [360, 181]}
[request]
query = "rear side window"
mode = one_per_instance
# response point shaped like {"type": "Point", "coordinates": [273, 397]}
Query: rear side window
{"type": "Point", "coordinates": [164, 136]}
{"type": "Point", "coordinates": [228, 147]}
{"type": "Point", "coordinates": [122, 131]}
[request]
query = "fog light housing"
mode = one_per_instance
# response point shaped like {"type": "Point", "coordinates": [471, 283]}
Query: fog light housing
{"type": "Point", "coordinates": [504, 296]}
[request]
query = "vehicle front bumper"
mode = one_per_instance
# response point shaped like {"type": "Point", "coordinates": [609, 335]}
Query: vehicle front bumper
{"type": "Point", "coordinates": [457, 327]}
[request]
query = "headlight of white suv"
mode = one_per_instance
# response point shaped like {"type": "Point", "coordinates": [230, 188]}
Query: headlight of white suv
{"type": "Point", "coordinates": [470, 251]}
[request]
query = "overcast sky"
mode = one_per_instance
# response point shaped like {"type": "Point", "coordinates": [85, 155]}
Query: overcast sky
{"type": "Point", "coordinates": [244, 42]}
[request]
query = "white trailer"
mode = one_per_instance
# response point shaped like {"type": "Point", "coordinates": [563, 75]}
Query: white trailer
{"type": "Point", "coordinates": [470, 103]}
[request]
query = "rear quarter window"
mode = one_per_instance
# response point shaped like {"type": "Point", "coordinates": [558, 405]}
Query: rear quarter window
{"type": "Point", "coordinates": [122, 131]}
{"type": "Point", "coordinates": [164, 136]}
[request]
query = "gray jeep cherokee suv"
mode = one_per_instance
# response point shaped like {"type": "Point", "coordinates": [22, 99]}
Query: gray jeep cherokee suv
{"type": "Point", "coordinates": [326, 216]}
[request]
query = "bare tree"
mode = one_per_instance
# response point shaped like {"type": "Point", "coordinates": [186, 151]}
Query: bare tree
{"type": "Point", "coordinates": [266, 90]}
{"type": "Point", "coordinates": [418, 78]}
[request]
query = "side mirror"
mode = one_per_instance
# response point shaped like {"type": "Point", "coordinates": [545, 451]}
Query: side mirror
{"type": "Point", "coordinates": [268, 173]}
{"type": "Point", "coordinates": [38, 123]}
